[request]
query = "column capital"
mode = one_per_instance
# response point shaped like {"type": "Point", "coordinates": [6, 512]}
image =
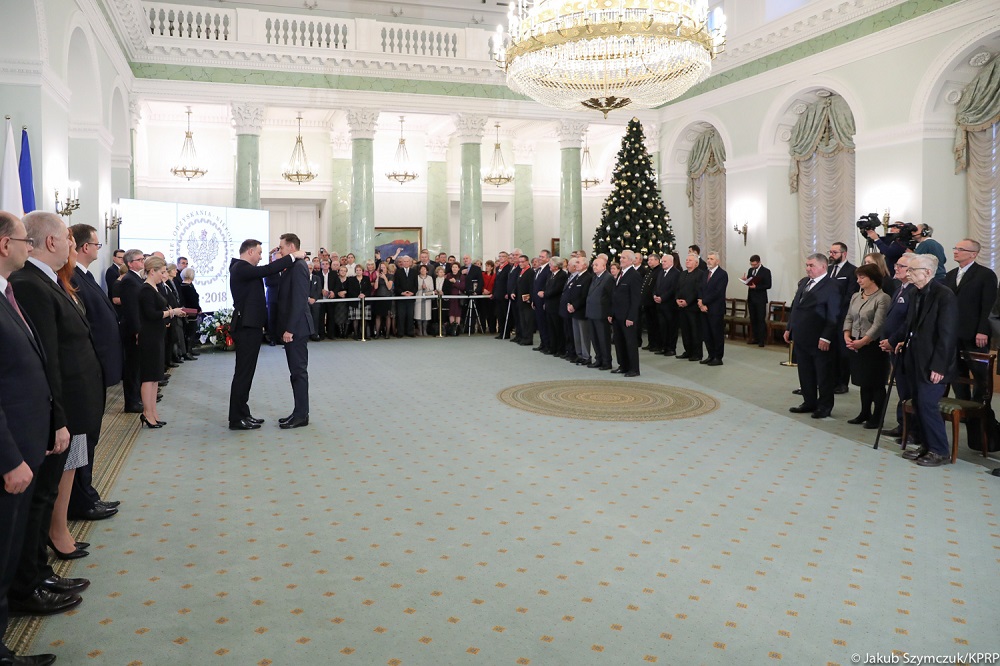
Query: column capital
{"type": "Point", "coordinates": [340, 145]}
{"type": "Point", "coordinates": [248, 117]}
{"type": "Point", "coordinates": [524, 152]}
{"type": "Point", "coordinates": [470, 127]}
{"type": "Point", "coordinates": [570, 132]}
{"type": "Point", "coordinates": [134, 111]}
{"type": "Point", "coordinates": [437, 148]}
{"type": "Point", "coordinates": [362, 123]}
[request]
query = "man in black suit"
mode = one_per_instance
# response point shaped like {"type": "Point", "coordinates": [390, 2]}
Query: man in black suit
{"type": "Point", "coordinates": [522, 297]}
{"type": "Point", "coordinates": [665, 298]}
{"type": "Point", "coordinates": [182, 263]}
{"type": "Point", "coordinates": [841, 271]}
{"type": "Point", "coordinates": [249, 318]}
{"type": "Point", "coordinates": [975, 288]}
{"type": "Point", "coordinates": [542, 272]}
{"type": "Point", "coordinates": [648, 317]}
{"type": "Point", "coordinates": [76, 385]}
{"type": "Point", "coordinates": [113, 272]}
{"type": "Point", "coordinates": [688, 284]}
{"type": "Point", "coordinates": [500, 300]}
{"type": "Point", "coordinates": [317, 285]}
{"type": "Point", "coordinates": [625, 300]}
{"type": "Point", "coordinates": [895, 323]}
{"type": "Point", "coordinates": [404, 283]}
{"type": "Point", "coordinates": [296, 325]}
{"type": "Point", "coordinates": [929, 352]}
{"type": "Point", "coordinates": [85, 500]}
{"type": "Point", "coordinates": [128, 292]}
{"type": "Point", "coordinates": [598, 312]}
{"type": "Point", "coordinates": [25, 414]}
{"type": "Point", "coordinates": [712, 304]}
{"type": "Point", "coordinates": [556, 316]}
{"type": "Point", "coordinates": [813, 323]}
{"type": "Point", "coordinates": [576, 291]}
{"type": "Point", "coordinates": [758, 281]}
{"type": "Point", "coordinates": [512, 316]}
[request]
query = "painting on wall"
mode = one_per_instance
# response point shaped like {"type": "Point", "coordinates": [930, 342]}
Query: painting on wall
{"type": "Point", "coordinates": [398, 241]}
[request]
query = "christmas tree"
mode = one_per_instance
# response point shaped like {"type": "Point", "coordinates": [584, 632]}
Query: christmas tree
{"type": "Point", "coordinates": [633, 216]}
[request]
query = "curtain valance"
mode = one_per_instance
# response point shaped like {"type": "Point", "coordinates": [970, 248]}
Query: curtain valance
{"type": "Point", "coordinates": [978, 109]}
{"type": "Point", "coordinates": [826, 128]}
{"type": "Point", "coordinates": [708, 154]}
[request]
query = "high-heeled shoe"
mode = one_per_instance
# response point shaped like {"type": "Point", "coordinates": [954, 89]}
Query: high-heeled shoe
{"type": "Point", "coordinates": [82, 545]}
{"type": "Point", "coordinates": [75, 555]}
{"type": "Point", "coordinates": [145, 422]}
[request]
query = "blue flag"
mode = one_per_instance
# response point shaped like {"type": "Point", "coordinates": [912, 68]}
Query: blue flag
{"type": "Point", "coordinates": [24, 170]}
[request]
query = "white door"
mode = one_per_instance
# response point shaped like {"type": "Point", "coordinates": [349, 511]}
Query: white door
{"type": "Point", "coordinates": [301, 219]}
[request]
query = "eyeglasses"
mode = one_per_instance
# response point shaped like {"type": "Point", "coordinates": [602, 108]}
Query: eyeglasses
{"type": "Point", "coordinates": [914, 270]}
{"type": "Point", "coordinates": [99, 245]}
{"type": "Point", "coordinates": [962, 249]}
{"type": "Point", "coordinates": [29, 241]}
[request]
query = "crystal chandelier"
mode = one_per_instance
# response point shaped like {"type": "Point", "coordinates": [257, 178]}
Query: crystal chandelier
{"type": "Point", "coordinates": [298, 169]}
{"type": "Point", "coordinates": [402, 171]}
{"type": "Point", "coordinates": [589, 177]}
{"type": "Point", "coordinates": [608, 54]}
{"type": "Point", "coordinates": [187, 163]}
{"type": "Point", "coordinates": [499, 173]}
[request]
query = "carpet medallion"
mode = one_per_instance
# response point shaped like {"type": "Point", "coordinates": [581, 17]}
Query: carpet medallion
{"type": "Point", "coordinates": [608, 400]}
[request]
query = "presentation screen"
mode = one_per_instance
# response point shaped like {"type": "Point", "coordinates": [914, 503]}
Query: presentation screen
{"type": "Point", "coordinates": [209, 236]}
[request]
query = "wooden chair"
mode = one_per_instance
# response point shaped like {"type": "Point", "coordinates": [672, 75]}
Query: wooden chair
{"type": "Point", "coordinates": [955, 410]}
{"type": "Point", "coordinates": [777, 319]}
{"type": "Point", "coordinates": [739, 316]}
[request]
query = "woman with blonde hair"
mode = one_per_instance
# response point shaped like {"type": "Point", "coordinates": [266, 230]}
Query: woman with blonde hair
{"type": "Point", "coordinates": [153, 316]}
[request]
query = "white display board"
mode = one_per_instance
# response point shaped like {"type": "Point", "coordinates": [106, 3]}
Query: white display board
{"type": "Point", "coordinates": [209, 236]}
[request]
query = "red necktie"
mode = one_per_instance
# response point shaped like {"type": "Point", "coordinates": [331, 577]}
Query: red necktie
{"type": "Point", "coordinates": [9, 293]}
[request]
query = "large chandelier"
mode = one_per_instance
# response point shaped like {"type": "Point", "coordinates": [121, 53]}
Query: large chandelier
{"type": "Point", "coordinates": [608, 54]}
{"type": "Point", "coordinates": [187, 164]}
{"type": "Point", "coordinates": [298, 169]}
{"type": "Point", "coordinates": [588, 175]}
{"type": "Point", "coordinates": [402, 170]}
{"type": "Point", "coordinates": [499, 173]}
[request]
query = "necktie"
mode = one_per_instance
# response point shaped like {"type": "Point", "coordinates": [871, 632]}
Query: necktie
{"type": "Point", "coordinates": [958, 278]}
{"type": "Point", "coordinates": [9, 293]}
{"type": "Point", "coordinates": [709, 276]}
{"type": "Point", "coordinates": [809, 286]}
{"type": "Point", "coordinates": [833, 273]}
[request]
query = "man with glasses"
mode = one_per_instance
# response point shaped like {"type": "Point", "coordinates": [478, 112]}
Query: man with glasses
{"type": "Point", "coordinates": [841, 271]}
{"type": "Point", "coordinates": [928, 345]}
{"type": "Point", "coordinates": [114, 270]}
{"type": "Point", "coordinates": [128, 292]}
{"type": "Point", "coordinates": [975, 288]}
{"type": "Point", "coordinates": [895, 322]}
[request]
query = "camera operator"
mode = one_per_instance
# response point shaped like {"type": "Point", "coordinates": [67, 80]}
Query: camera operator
{"type": "Point", "coordinates": [894, 244]}
{"type": "Point", "coordinates": [927, 245]}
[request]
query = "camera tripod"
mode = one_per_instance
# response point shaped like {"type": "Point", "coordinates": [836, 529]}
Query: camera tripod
{"type": "Point", "coordinates": [472, 317]}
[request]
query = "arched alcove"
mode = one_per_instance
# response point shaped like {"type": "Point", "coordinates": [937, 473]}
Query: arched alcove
{"type": "Point", "coordinates": [22, 34]}
{"type": "Point", "coordinates": [83, 78]}
{"type": "Point", "coordinates": [776, 128]}
{"type": "Point", "coordinates": [941, 88]}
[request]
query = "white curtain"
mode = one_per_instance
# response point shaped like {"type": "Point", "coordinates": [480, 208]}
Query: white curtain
{"type": "Point", "coordinates": [826, 202]}
{"type": "Point", "coordinates": [983, 192]}
{"type": "Point", "coordinates": [709, 212]}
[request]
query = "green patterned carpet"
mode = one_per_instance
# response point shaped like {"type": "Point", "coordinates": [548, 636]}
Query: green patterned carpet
{"type": "Point", "coordinates": [420, 520]}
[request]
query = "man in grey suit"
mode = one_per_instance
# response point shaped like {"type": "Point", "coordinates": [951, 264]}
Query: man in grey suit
{"type": "Point", "coordinates": [598, 311]}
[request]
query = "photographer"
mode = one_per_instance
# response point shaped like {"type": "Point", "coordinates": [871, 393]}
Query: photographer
{"type": "Point", "coordinates": [894, 244]}
{"type": "Point", "coordinates": [927, 245]}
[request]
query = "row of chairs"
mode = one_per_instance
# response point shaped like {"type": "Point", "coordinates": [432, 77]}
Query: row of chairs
{"type": "Point", "coordinates": [738, 317]}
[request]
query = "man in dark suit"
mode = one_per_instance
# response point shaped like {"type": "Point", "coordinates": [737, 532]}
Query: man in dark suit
{"type": "Point", "coordinates": [25, 413]}
{"type": "Point", "coordinates": [576, 305]}
{"type": "Point", "coordinates": [665, 298]}
{"type": "Point", "coordinates": [522, 297]}
{"type": "Point", "coordinates": [404, 283]}
{"type": "Point", "coordinates": [975, 288]}
{"type": "Point", "coordinates": [625, 316]}
{"type": "Point", "coordinates": [895, 323]}
{"type": "Point", "coordinates": [512, 316]}
{"type": "Point", "coordinates": [76, 385]}
{"type": "Point", "coordinates": [85, 500]}
{"type": "Point", "coordinates": [841, 271]}
{"type": "Point", "coordinates": [648, 316]}
{"type": "Point", "coordinates": [249, 318]}
{"type": "Point", "coordinates": [500, 300]}
{"type": "Point", "coordinates": [929, 352]}
{"type": "Point", "coordinates": [128, 292]}
{"type": "Point", "coordinates": [296, 326]}
{"type": "Point", "coordinates": [317, 285]}
{"type": "Point", "coordinates": [113, 272]}
{"type": "Point", "coordinates": [542, 272]}
{"type": "Point", "coordinates": [758, 281]}
{"type": "Point", "coordinates": [598, 312]}
{"type": "Point", "coordinates": [712, 304]}
{"type": "Point", "coordinates": [688, 284]}
{"type": "Point", "coordinates": [813, 324]}
{"type": "Point", "coordinates": [556, 325]}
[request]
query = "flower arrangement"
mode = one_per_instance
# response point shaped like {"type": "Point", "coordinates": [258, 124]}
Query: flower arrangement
{"type": "Point", "coordinates": [215, 328]}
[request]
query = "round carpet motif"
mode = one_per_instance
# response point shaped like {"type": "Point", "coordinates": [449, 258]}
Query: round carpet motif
{"type": "Point", "coordinates": [608, 400]}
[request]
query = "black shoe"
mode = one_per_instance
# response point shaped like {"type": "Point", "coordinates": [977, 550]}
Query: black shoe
{"type": "Point", "coordinates": [715, 362]}
{"type": "Point", "coordinates": [83, 545]}
{"type": "Point", "coordinates": [762, 345]}
{"type": "Point", "coordinates": [538, 348]}
{"type": "Point", "coordinates": [692, 359]}
{"type": "Point", "coordinates": [251, 419]}
{"type": "Point", "coordinates": [895, 432]}
{"type": "Point", "coordinates": [44, 602]}
{"type": "Point", "coordinates": [146, 423]}
{"type": "Point", "coordinates": [821, 413]}
{"type": "Point", "coordinates": [668, 352]}
{"type": "Point", "coordinates": [111, 504]}
{"type": "Point", "coordinates": [294, 423]}
{"type": "Point", "coordinates": [918, 452]}
{"type": "Point", "coordinates": [65, 585]}
{"type": "Point", "coordinates": [802, 409]}
{"type": "Point", "coordinates": [604, 367]}
{"type": "Point", "coordinates": [75, 554]}
{"type": "Point", "coordinates": [244, 424]}
{"type": "Point", "coordinates": [618, 371]}
{"type": "Point", "coordinates": [98, 512]}
{"type": "Point", "coordinates": [190, 357]}
{"type": "Point", "coordinates": [840, 389]}
{"type": "Point", "coordinates": [593, 364]}
{"type": "Point", "coordinates": [797, 391]}
{"type": "Point", "coordinates": [860, 418]}
{"type": "Point", "coordinates": [284, 419]}
{"type": "Point", "coordinates": [133, 409]}
{"type": "Point", "coordinates": [684, 355]}
{"type": "Point", "coordinates": [632, 373]}
{"type": "Point", "coordinates": [871, 424]}
{"type": "Point", "coordinates": [158, 398]}
{"type": "Point", "coordinates": [163, 382]}
{"type": "Point", "coordinates": [583, 361]}
{"type": "Point", "coordinates": [28, 660]}
{"type": "Point", "coordinates": [315, 338]}
{"type": "Point", "coordinates": [173, 365]}
{"type": "Point", "coordinates": [932, 460]}
{"type": "Point", "coordinates": [706, 361]}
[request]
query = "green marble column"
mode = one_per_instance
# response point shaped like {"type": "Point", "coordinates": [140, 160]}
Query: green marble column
{"type": "Point", "coordinates": [247, 171]}
{"type": "Point", "coordinates": [570, 133]}
{"type": "Point", "coordinates": [469, 131]}
{"type": "Point", "coordinates": [437, 208]}
{"type": "Point", "coordinates": [248, 121]}
{"type": "Point", "coordinates": [362, 123]}
{"type": "Point", "coordinates": [524, 209]}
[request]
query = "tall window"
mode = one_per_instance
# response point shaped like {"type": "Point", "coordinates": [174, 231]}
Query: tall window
{"type": "Point", "coordinates": [706, 190]}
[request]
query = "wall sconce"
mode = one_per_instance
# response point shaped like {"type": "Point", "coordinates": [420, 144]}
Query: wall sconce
{"type": "Point", "coordinates": [885, 222]}
{"type": "Point", "coordinates": [72, 201]}
{"type": "Point", "coordinates": [742, 232]}
{"type": "Point", "coordinates": [112, 221]}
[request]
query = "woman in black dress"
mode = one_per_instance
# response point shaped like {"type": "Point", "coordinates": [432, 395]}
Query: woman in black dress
{"type": "Point", "coordinates": [454, 285]}
{"type": "Point", "coordinates": [380, 309]}
{"type": "Point", "coordinates": [153, 313]}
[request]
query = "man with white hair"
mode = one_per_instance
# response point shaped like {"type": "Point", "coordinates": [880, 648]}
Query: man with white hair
{"type": "Point", "coordinates": [625, 316]}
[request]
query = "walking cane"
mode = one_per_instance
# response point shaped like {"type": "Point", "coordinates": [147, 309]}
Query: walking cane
{"type": "Point", "coordinates": [506, 321]}
{"type": "Point", "coordinates": [885, 404]}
